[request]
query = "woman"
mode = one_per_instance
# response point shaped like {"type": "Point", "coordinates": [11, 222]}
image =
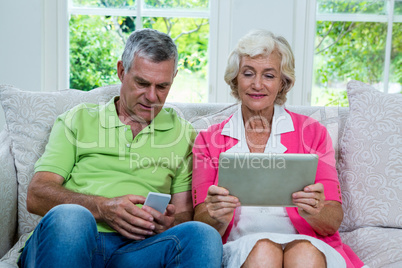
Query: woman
{"type": "Point", "coordinates": [260, 73]}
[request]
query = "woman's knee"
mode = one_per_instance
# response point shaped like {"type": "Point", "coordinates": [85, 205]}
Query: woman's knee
{"type": "Point", "coordinates": [267, 245]}
{"type": "Point", "coordinates": [301, 253]}
{"type": "Point", "coordinates": [265, 253]}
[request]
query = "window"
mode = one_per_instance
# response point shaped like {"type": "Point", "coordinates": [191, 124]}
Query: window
{"type": "Point", "coordinates": [359, 40]}
{"type": "Point", "coordinates": [98, 30]}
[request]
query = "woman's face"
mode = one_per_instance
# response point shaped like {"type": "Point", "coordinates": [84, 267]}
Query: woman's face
{"type": "Point", "coordinates": [259, 81]}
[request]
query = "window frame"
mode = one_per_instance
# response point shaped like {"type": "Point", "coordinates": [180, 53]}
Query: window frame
{"type": "Point", "coordinates": [55, 49]}
{"type": "Point", "coordinates": [58, 61]}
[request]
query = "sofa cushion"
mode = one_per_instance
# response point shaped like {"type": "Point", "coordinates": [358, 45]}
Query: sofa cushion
{"type": "Point", "coordinates": [371, 159]}
{"type": "Point", "coordinates": [201, 116]}
{"type": "Point", "coordinates": [10, 259]}
{"type": "Point", "coordinates": [8, 195]}
{"type": "Point", "coordinates": [376, 246]}
{"type": "Point", "coordinates": [29, 118]}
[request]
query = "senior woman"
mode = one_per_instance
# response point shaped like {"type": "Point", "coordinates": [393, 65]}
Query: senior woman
{"type": "Point", "coordinates": [260, 72]}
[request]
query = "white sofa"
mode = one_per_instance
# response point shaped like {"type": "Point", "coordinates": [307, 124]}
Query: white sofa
{"type": "Point", "coordinates": [366, 136]}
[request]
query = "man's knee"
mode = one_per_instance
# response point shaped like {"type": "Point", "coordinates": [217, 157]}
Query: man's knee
{"type": "Point", "coordinates": [66, 233]}
{"type": "Point", "coordinates": [201, 232]}
{"type": "Point", "coordinates": [204, 242]}
{"type": "Point", "coordinates": [201, 238]}
{"type": "Point", "coordinates": [67, 218]}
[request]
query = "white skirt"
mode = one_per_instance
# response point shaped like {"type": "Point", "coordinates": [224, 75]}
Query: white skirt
{"type": "Point", "coordinates": [235, 253]}
{"type": "Point", "coordinates": [255, 223]}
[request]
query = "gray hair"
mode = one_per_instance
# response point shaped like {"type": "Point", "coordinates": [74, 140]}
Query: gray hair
{"type": "Point", "coordinates": [150, 44]}
{"type": "Point", "coordinates": [262, 43]}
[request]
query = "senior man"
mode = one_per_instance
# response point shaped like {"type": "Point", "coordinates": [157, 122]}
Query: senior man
{"type": "Point", "coordinates": [100, 163]}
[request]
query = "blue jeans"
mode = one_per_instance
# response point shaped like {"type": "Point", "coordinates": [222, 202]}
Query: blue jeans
{"type": "Point", "coordinates": [67, 237]}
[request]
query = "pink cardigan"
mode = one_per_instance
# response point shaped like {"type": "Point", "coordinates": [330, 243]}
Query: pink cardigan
{"type": "Point", "coordinates": [309, 137]}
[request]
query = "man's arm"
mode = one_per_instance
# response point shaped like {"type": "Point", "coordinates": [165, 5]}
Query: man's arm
{"type": "Point", "coordinates": [46, 191]}
{"type": "Point", "coordinates": [121, 213]}
{"type": "Point", "coordinates": [184, 207]}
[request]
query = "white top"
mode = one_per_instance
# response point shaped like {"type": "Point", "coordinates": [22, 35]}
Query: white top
{"type": "Point", "coordinates": [254, 219]}
{"type": "Point", "coordinates": [255, 223]}
{"type": "Point", "coordinates": [281, 123]}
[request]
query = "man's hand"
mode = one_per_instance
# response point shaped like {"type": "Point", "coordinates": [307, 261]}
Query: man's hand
{"type": "Point", "coordinates": [164, 221]}
{"type": "Point", "coordinates": [122, 214]}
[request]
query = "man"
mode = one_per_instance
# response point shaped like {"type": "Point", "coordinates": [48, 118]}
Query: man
{"type": "Point", "coordinates": [100, 163]}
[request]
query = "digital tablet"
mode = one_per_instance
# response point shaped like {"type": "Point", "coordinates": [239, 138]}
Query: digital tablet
{"type": "Point", "coordinates": [260, 179]}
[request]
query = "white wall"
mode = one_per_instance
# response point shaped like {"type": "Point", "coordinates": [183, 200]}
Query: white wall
{"type": "Point", "coordinates": [20, 45]}
{"type": "Point", "coordinates": [257, 14]}
{"type": "Point", "coordinates": [291, 19]}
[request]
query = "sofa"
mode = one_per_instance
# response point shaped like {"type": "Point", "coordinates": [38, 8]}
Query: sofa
{"type": "Point", "coordinates": [366, 137]}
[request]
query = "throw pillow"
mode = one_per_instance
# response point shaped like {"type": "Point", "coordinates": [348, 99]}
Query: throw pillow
{"type": "Point", "coordinates": [30, 117]}
{"type": "Point", "coordinates": [371, 159]}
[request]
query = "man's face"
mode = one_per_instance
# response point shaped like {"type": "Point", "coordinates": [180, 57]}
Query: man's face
{"type": "Point", "coordinates": [145, 87]}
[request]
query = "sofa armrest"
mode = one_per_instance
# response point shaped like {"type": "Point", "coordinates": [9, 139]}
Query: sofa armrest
{"type": "Point", "coordinates": [8, 195]}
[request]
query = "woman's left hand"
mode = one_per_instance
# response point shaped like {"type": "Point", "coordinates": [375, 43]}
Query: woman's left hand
{"type": "Point", "coordinates": [311, 200]}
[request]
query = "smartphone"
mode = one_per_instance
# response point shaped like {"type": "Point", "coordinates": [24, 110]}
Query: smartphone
{"type": "Point", "coordinates": [157, 201]}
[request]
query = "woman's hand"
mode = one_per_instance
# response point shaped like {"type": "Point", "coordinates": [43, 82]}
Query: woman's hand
{"type": "Point", "coordinates": [310, 201]}
{"type": "Point", "coordinates": [220, 205]}
{"type": "Point", "coordinates": [324, 216]}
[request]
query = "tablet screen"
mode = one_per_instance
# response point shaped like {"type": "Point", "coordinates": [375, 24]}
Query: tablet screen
{"type": "Point", "coordinates": [260, 179]}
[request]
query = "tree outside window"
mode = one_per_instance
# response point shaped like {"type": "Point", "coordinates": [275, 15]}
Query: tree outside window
{"type": "Point", "coordinates": [98, 35]}
{"type": "Point", "coordinates": [351, 43]}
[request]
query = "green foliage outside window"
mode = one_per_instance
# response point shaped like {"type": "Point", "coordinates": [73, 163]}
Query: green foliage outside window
{"type": "Point", "coordinates": [177, 4]}
{"type": "Point", "coordinates": [344, 50]}
{"type": "Point", "coordinates": [94, 51]}
{"type": "Point", "coordinates": [97, 42]}
{"type": "Point", "coordinates": [353, 50]}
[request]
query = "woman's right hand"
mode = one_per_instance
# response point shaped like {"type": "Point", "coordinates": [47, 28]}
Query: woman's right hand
{"type": "Point", "coordinates": [220, 205]}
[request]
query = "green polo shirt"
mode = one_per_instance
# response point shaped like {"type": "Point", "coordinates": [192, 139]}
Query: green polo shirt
{"type": "Point", "coordinates": [96, 153]}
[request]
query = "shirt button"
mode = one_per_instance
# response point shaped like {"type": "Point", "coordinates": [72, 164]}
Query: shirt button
{"type": "Point", "coordinates": [128, 145]}
{"type": "Point", "coordinates": [125, 129]}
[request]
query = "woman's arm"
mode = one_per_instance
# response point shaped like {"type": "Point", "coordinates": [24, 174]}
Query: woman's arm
{"type": "Point", "coordinates": [218, 208]}
{"type": "Point", "coordinates": [319, 204]}
{"type": "Point", "coordinates": [212, 204]}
